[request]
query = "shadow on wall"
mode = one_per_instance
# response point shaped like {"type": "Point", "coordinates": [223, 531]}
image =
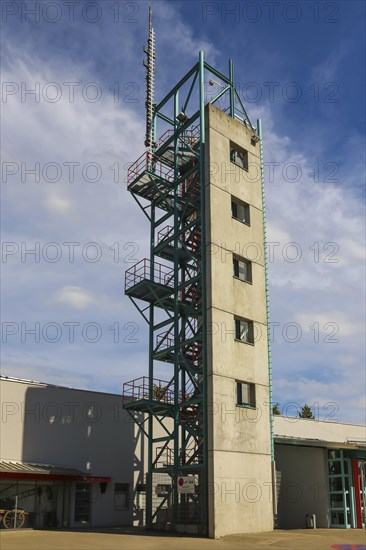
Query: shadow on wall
{"type": "Point", "coordinates": [302, 486]}
{"type": "Point", "coordinates": [90, 432]}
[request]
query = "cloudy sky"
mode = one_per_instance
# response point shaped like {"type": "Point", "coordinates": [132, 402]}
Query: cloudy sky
{"type": "Point", "coordinates": [73, 117]}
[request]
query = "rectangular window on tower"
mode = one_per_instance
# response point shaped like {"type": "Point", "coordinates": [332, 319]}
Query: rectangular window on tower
{"type": "Point", "coordinates": [244, 330]}
{"type": "Point", "coordinates": [240, 211]}
{"type": "Point", "coordinates": [242, 269]}
{"type": "Point", "coordinates": [245, 394]}
{"type": "Point", "coordinates": [239, 156]}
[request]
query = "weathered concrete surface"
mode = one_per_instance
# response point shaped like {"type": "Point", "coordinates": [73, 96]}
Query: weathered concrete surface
{"type": "Point", "coordinates": [137, 539]}
{"type": "Point", "coordinates": [239, 452]}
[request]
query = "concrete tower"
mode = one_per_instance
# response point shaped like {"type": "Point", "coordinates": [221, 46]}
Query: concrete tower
{"type": "Point", "coordinates": [239, 443]}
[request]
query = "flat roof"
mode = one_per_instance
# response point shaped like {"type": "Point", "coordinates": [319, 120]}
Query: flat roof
{"type": "Point", "coordinates": [47, 385]}
{"type": "Point", "coordinates": [318, 433]}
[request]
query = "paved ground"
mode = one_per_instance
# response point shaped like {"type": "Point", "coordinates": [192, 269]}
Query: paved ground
{"type": "Point", "coordinates": [137, 539]}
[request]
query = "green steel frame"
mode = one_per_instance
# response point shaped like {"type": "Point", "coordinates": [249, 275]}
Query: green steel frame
{"type": "Point", "coordinates": [342, 484]}
{"type": "Point", "coordinates": [269, 353]}
{"type": "Point", "coordinates": [340, 493]}
{"type": "Point", "coordinates": [169, 290]}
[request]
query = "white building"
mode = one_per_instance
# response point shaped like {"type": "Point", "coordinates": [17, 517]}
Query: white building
{"type": "Point", "coordinates": [68, 455]}
{"type": "Point", "coordinates": [321, 471]}
{"type": "Point", "coordinates": [73, 458]}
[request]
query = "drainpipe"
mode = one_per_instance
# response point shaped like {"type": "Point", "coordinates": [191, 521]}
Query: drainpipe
{"type": "Point", "coordinates": [273, 464]}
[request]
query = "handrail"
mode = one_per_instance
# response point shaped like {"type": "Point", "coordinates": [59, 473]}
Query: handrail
{"type": "Point", "coordinates": [152, 163]}
{"type": "Point", "coordinates": [164, 338]}
{"type": "Point", "coordinates": [164, 456]}
{"type": "Point", "coordinates": [189, 137]}
{"type": "Point", "coordinates": [164, 233]}
{"type": "Point", "coordinates": [161, 274]}
{"type": "Point", "coordinates": [191, 238]}
{"type": "Point", "coordinates": [138, 389]}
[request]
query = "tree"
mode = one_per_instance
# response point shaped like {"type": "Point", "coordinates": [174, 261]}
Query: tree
{"type": "Point", "coordinates": [276, 410]}
{"type": "Point", "coordinates": [160, 393]}
{"type": "Point", "coordinates": [306, 412]}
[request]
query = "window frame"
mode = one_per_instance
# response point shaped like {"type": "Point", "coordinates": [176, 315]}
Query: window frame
{"type": "Point", "coordinates": [240, 320]}
{"type": "Point", "coordinates": [251, 404]}
{"type": "Point", "coordinates": [125, 491]}
{"type": "Point", "coordinates": [236, 261]}
{"type": "Point", "coordinates": [237, 151]}
{"type": "Point", "coordinates": [246, 207]}
{"type": "Point", "coordinates": [82, 503]}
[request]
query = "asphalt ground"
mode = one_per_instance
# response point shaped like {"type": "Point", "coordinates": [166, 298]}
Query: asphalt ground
{"type": "Point", "coordinates": [139, 539]}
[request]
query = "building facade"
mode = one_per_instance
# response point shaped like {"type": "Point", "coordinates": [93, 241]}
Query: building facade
{"type": "Point", "coordinates": [321, 471]}
{"type": "Point", "coordinates": [68, 457]}
{"type": "Point", "coordinates": [75, 459]}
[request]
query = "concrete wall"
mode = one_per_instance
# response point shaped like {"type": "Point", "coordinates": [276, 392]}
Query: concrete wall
{"type": "Point", "coordinates": [86, 430]}
{"type": "Point", "coordinates": [239, 438]}
{"type": "Point", "coordinates": [303, 488]}
{"type": "Point", "coordinates": [301, 459]}
{"type": "Point", "coordinates": [331, 432]}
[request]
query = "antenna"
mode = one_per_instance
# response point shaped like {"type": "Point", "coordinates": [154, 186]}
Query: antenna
{"type": "Point", "coordinates": [149, 64]}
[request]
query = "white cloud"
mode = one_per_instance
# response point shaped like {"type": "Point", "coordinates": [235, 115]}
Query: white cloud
{"type": "Point", "coordinates": [355, 250]}
{"type": "Point", "coordinates": [173, 26]}
{"type": "Point", "coordinates": [326, 70]}
{"type": "Point", "coordinates": [75, 297]}
{"type": "Point", "coordinates": [58, 204]}
{"type": "Point", "coordinates": [341, 322]}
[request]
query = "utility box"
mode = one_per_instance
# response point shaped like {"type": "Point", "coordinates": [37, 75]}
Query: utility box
{"type": "Point", "coordinates": [310, 520]}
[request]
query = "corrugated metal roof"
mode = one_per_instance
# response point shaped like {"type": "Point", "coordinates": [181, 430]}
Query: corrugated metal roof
{"type": "Point", "coordinates": [9, 466]}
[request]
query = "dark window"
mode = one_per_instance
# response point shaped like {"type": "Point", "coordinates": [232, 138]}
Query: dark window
{"type": "Point", "coordinates": [245, 394]}
{"type": "Point", "coordinates": [242, 269]}
{"type": "Point", "coordinates": [121, 496]}
{"type": "Point", "coordinates": [163, 489]}
{"type": "Point", "coordinates": [244, 331]}
{"type": "Point", "coordinates": [238, 156]}
{"type": "Point", "coordinates": [240, 211]}
{"type": "Point", "coordinates": [82, 502]}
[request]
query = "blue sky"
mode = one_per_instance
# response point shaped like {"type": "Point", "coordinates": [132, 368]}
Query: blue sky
{"type": "Point", "coordinates": [310, 55]}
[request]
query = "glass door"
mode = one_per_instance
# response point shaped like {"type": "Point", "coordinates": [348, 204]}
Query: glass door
{"type": "Point", "coordinates": [82, 503]}
{"type": "Point", "coordinates": [340, 490]}
{"type": "Point", "coordinates": [362, 470]}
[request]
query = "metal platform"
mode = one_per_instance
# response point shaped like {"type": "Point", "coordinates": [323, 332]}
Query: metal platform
{"type": "Point", "coordinates": [152, 180]}
{"type": "Point", "coordinates": [165, 246]}
{"type": "Point", "coordinates": [151, 282]}
{"type": "Point", "coordinates": [184, 156]}
{"type": "Point", "coordinates": [152, 292]}
{"type": "Point", "coordinates": [139, 396]}
{"type": "Point", "coordinates": [164, 349]}
{"type": "Point", "coordinates": [188, 145]}
{"type": "Point", "coordinates": [147, 406]}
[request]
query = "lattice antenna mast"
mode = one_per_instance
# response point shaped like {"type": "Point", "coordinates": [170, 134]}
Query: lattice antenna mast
{"type": "Point", "coordinates": [149, 64]}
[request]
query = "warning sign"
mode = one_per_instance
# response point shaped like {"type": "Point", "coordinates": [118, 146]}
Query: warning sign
{"type": "Point", "coordinates": [186, 485]}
